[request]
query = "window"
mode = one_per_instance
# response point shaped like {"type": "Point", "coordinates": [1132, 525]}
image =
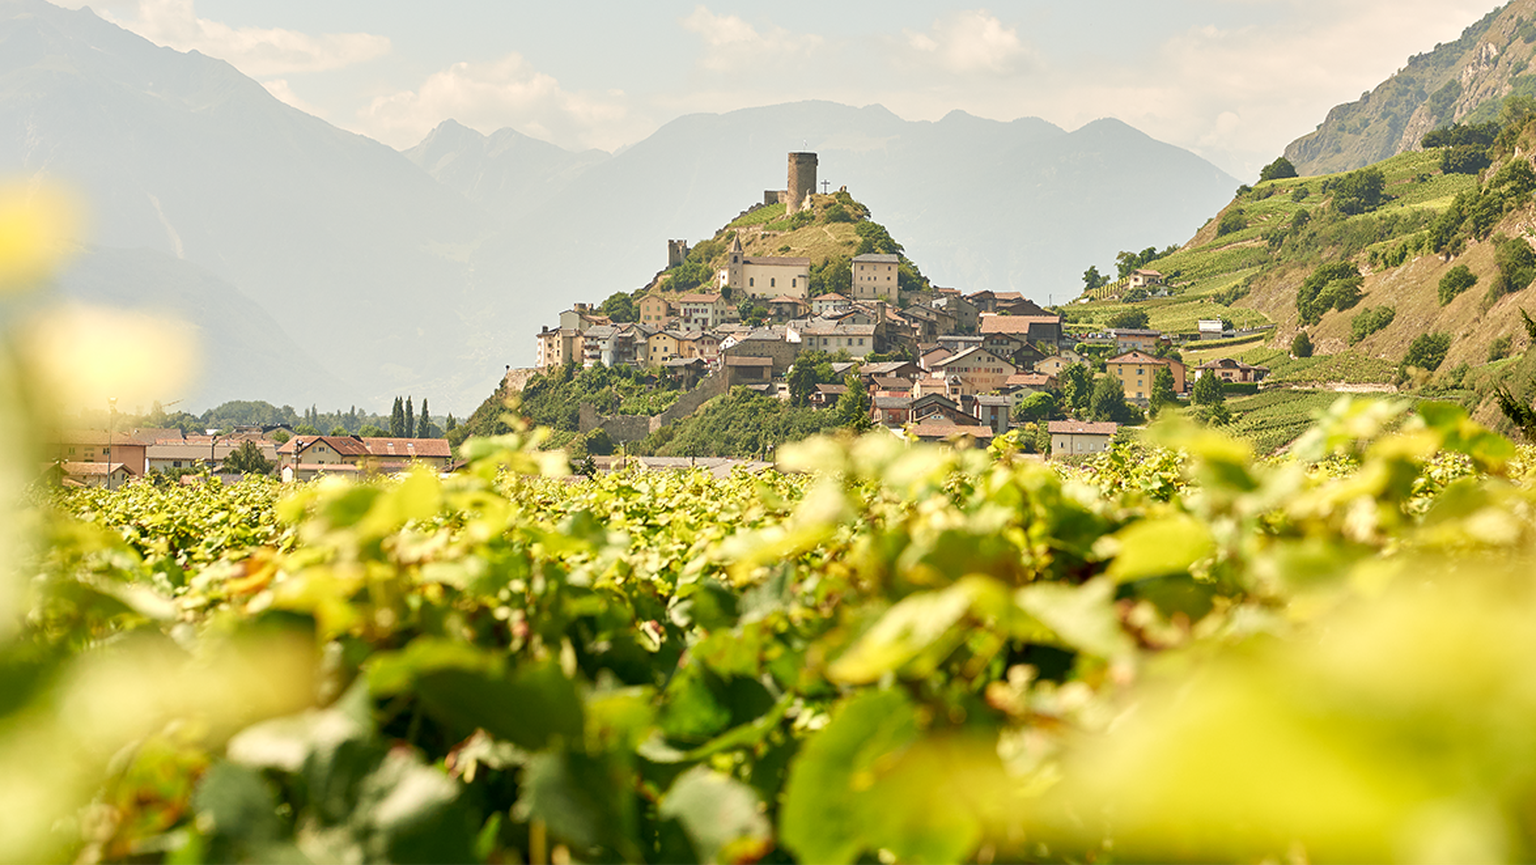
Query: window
{"type": "Point", "coordinates": [772, 281]}
{"type": "Point", "coordinates": [751, 281]}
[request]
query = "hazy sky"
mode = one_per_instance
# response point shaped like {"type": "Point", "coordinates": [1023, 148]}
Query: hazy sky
{"type": "Point", "coordinates": [1232, 80]}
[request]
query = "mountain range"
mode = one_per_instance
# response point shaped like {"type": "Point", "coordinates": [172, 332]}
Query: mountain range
{"type": "Point", "coordinates": [331, 269]}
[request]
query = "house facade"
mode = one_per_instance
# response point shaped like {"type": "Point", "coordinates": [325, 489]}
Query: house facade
{"type": "Point", "coordinates": [1071, 437]}
{"type": "Point", "coordinates": [875, 277]}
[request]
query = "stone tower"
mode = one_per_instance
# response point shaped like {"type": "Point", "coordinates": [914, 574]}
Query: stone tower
{"type": "Point", "coordinates": [677, 250]}
{"type": "Point", "coordinates": [802, 181]}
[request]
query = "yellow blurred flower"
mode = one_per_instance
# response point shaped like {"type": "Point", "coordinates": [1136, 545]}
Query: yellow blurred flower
{"type": "Point", "coordinates": [36, 228]}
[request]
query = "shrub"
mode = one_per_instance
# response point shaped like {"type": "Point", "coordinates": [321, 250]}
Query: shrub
{"type": "Point", "coordinates": [1464, 159]}
{"type": "Point", "coordinates": [1278, 170]}
{"type": "Point", "coordinates": [1301, 346]}
{"type": "Point", "coordinates": [1130, 319]}
{"type": "Point", "coordinates": [1499, 348]}
{"type": "Point", "coordinates": [1369, 321]}
{"type": "Point", "coordinates": [1359, 191]}
{"type": "Point", "coordinates": [1428, 351]}
{"type": "Point", "coordinates": [1517, 267]}
{"type": "Point", "coordinates": [836, 212]}
{"type": "Point", "coordinates": [1335, 285]}
{"type": "Point", "coordinates": [1231, 221]}
{"type": "Point", "coordinates": [1455, 281]}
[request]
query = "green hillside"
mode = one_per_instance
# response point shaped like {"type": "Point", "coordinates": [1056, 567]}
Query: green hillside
{"type": "Point", "coordinates": [831, 233]}
{"type": "Point", "coordinates": [1377, 244]}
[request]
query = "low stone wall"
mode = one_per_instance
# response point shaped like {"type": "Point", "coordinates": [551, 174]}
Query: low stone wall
{"type": "Point", "coordinates": [634, 427]}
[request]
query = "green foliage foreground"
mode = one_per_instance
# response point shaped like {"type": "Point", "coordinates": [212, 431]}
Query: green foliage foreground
{"type": "Point", "coordinates": [1176, 652]}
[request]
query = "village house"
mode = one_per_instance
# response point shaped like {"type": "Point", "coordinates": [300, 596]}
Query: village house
{"type": "Point", "coordinates": [1136, 370]}
{"type": "Point", "coordinates": [700, 311]}
{"type": "Point", "coordinates": [978, 370]}
{"type": "Point", "coordinates": [1232, 370]}
{"type": "Point", "coordinates": [100, 446]}
{"type": "Point", "coordinates": [890, 410]}
{"type": "Point", "coordinates": [856, 339]}
{"type": "Point", "coordinates": [875, 277]}
{"type": "Point", "coordinates": [937, 431]}
{"type": "Point", "coordinates": [1071, 437]}
{"type": "Point", "coordinates": [1143, 279]}
{"type": "Point", "coordinates": [785, 308]}
{"type": "Point", "coordinates": [1054, 364]}
{"type": "Point", "coordinates": [1130, 339]}
{"type": "Point", "coordinates": [995, 411]}
{"type": "Point", "coordinates": [1035, 328]}
{"type": "Point", "coordinates": [94, 474]}
{"type": "Point", "coordinates": [825, 303]}
{"type": "Point", "coordinates": [307, 457]}
{"type": "Point", "coordinates": [962, 310]}
{"type": "Point", "coordinates": [655, 310]}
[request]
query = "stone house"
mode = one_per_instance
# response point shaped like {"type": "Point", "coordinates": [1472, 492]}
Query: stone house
{"type": "Point", "coordinates": [655, 310]}
{"type": "Point", "coordinates": [700, 310]}
{"type": "Point", "coordinates": [978, 370]}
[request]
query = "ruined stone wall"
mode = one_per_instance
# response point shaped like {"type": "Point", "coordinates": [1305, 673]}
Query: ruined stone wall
{"type": "Point", "coordinates": [677, 250]}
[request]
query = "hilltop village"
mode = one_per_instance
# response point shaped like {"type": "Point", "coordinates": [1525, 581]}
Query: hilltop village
{"type": "Point", "coordinates": [939, 363]}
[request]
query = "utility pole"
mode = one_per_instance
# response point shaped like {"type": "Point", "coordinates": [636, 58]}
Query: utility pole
{"type": "Point", "coordinates": [111, 424]}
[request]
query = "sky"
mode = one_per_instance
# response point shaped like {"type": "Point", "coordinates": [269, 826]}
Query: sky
{"type": "Point", "coordinates": [1232, 80]}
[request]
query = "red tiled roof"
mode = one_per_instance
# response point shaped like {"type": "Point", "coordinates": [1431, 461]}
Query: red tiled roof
{"type": "Point", "coordinates": [1136, 357]}
{"type": "Point", "coordinates": [698, 298]}
{"type": "Point", "coordinates": [1078, 427]}
{"type": "Point", "coordinates": [940, 429]}
{"type": "Point", "coordinates": [1015, 323]}
{"type": "Point", "coordinates": [408, 448]}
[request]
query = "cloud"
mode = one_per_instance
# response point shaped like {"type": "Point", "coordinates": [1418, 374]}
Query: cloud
{"type": "Point", "coordinates": [279, 87]}
{"type": "Point", "coordinates": [258, 52]}
{"type": "Point", "coordinates": [507, 92]}
{"type": "Point", "coordinates": [731, 44]}
{"type": "Point", "coordinates": [971, 41]}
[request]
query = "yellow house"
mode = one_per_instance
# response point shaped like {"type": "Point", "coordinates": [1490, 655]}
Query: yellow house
{"type": "Point", "coordinates": [655, 310]}
{"type": "Point", "coordinates": [1136, 369]}
{"type": "Point", "coordinates": [662, 347]}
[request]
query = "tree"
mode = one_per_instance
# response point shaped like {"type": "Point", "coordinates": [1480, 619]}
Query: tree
{"type": "Point", "coordinates": [1427, 351]}
{"type": "Point", "coordinates": [1335, 285]}
{"type": "Point", "coordinates": [247, 459]}
{"type": "Point", "coordinates": [1130, 319]}
{"type": "Point", "coordinates": [1359, 191]}
{"type": "Point", "coordinates": [373, 431]}
{"type": "Point", "coordinates": [802, 382]}
{"type": "Point", "coordinates": [1108, 401]}
{"type": "Point", "coordinates": [619, 307]}
{"type": "Point", "coordinates": [339, 430]}
{"type": "Point", "coordinates": [305, 429]}
{"type": "Point", "coordinates": [410, 420]}
{"type": "Point", "coordinates": [1036, 407]}
{"type": "Point", "coordinates": [1076, 387]}
{"type": "Point", "coordinates": [1455, 281]}
{"type": "Point", "coordinates": [1301, 346]}
{"type": "Point", "coordinates": [1208, 390]}
{"type": "Point", "coordinates": [424, 430]}
{"type": "Point", "coordinates": [853, 406]}
{"type": "Point", "coordinates": [397, 419]}
{"type": "Point", "coordinates": [450, 424]}
{"type": "Point", "coordinates": [1162, 394]}
{"type": "Point", "coordinates": [1093, 279]}
{"type": "Point", "coordinates": [1278, 170]}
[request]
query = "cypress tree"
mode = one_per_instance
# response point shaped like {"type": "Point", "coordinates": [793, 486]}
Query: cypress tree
{"type": "Point", "coordinates": [410, 419]}
{"type": "Point", "coordinates": [424, 430]}
{"type": "Point", "coordinates": [397, 419]}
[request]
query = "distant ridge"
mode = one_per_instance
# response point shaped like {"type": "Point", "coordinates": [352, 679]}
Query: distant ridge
{"type": "Point", "coordinates": [1456, 82]}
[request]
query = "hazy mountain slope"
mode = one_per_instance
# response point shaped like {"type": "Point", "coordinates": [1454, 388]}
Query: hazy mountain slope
{"type": "Point", "coordinates": [980, 204]}
{"type": "Point", "coordinates": [507, 173]}
{"type": "Point", "coordinates": [1448, 84]}
{"type": "Point", "coordinates": [339, 237]}
{"type": "Point", "coordinates": [245, 351]}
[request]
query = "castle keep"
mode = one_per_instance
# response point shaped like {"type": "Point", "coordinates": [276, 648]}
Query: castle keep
{"type": "Point", "coordinates": [801, 182]}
